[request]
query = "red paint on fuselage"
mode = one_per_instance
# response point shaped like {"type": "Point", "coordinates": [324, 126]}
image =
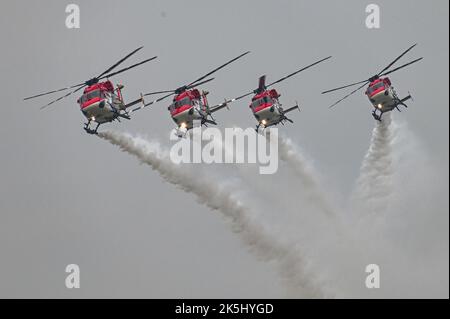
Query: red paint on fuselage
{"type": "Point", "coordinates": [378, 86]}
{"type": "Point", "coordinates": [184, 102]}
{"type": "Point", "coordinates": [95, 93]}
{"type": "Point", "coordinates": [263, 100]}
{"type": "Point", "coordinates": [180, 109]}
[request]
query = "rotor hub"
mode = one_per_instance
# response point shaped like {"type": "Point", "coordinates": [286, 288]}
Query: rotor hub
{"type": "Point", "coordinates": [91, 81]}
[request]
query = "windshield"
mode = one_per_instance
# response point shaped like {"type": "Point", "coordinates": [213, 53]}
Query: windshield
{"type": "Point", "coordinates": [91, 95]}
{"type": "Point", "coordinates": [261, 101]}
{"type": "Point", "coordinates": [374, 88]}
{"type": "Point", "coordinates": [183, 102]}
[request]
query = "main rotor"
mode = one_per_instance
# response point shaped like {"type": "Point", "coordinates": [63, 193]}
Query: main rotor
{"type": "Point", "coordinates": [104, 75]}
{"type": "Point", "coordinates": [383, 72]}
{"type": "Point", "coordinates": [200, 81]}
{"type": "Point", "coordinates": [262, 81]}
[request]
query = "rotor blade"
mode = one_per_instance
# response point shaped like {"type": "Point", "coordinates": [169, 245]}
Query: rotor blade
{"type": "Point", "coordinates": [242, 96]}
{"type": "Point", "coordinates": [187, 88]}
{"type": "Point", "coordinates": [198, 84]}
{"type": "Point", "coordinates": [345, 86]}
{"type": "Point", "coordinates": [223, 104]}
{"type": "Point", "coordinates": [302, 69]}
{"type": "Point", "coordinates": [163, 98]}
{"type": "Point", "coordinates": [153, 102]}
{"type": "Point", "coordinates": [126, 69]}
{"type": "Point", "coordinates": [236, 98]}
{"type": "Point", "coordinates": [159, 92]}
{"type": "Point", "coordinates": [217, 69]}
{"type": "Point", "coordinates": [140, 100]}
{"type": "Point", "coordinates": [55, 91]}
{"type": "Point", "coordinates": [62, 97]}
{"type": "Point", "coordinates": [401, 67]}
{"type": "Point", "coordinates": [82, 84]}
{"type": "Point", "coordinates": [220, 106]}
{"type": "Point", "coordinates": [119, 62]}
{"type": "Point", "coordinates": [351, 93]}
{"type": "Point", "coordinates": [398, 58]}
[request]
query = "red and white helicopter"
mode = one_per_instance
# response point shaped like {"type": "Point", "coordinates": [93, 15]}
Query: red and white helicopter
{"type": "Point", "coordinates": [189, 104]}
{"type": "Point", "coordinates": [380, 91]}
{"type": "Point", "coordinates": [266, 106]}
{"type": "Point", "coordinates": [100, 102]}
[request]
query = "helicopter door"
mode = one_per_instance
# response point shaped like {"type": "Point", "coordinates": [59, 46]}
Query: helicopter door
{"type": "Point", "coordinates": [115, 99]}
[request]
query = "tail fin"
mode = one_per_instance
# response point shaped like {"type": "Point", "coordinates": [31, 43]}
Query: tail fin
{"type": "Point", "coordinates": [262, 83]}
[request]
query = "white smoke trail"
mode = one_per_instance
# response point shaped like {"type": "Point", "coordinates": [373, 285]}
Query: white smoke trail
{"type": "Point", "coordinates": [292, 266]}
{"type": "Point", "coordinates": [407, 232]}
{"type": "Point", "coordinates": [409, 241]}
{"type": "Point", "coordinates": [374, 185]}
{"type": "Point", "coordinates": [292, 155]}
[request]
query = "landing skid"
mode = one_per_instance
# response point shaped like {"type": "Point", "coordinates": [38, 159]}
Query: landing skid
{"type": "Point", "coordinates": [205, 122]}
{"type": "Point", "coordinates": [89, 130]}
{"type": "Point", "coordinates": [376, 116]}
{"type": "Point", "coordinates": [180, 134]}
{"type": "Point", "coordinates": [283, 118]}
{"type": "Point", "coordinates": [281, 121]}
{"type": "Point", "coordinates": [397, 103]}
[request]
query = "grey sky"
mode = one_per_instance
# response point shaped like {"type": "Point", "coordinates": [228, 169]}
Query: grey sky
{"type": "Point", "coordinates": [66, 197]}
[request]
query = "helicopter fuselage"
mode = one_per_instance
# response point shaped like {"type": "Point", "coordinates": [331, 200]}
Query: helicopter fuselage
{"type": "Point", "coordinates": [382, 95]}
{"type": "Point", "coordinates": [187, 107]}
{"type": "Point", "coordinates": [266, 108]}
{"type": "Point", "coordinates": [101, 103]}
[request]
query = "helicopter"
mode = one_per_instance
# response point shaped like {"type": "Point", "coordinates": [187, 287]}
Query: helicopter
{"type": "Point", "coordinates": [101, 102]}
{"type": "Point", "coordinates": [380, 91]}
{"type": "Point", "coordinates": [265, 104]}
{"type": "Point", "coordinates": [189, 103]}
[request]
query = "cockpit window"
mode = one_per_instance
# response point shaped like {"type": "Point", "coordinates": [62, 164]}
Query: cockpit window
{"type": "Point", "coordinates": [91, 95]}
{"type": "Point", "coordinates": [261, 101]}
{"type": "Point", "coordinates": [374, 88]}
{"type": "Point", "coordinates": [183, 102]}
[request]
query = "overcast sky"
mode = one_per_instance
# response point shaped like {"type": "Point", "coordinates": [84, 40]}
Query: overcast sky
{"type": "Point", "coordinates": [66, 197]}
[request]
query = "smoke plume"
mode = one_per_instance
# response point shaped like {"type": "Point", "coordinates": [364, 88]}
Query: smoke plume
{"type": "Point", "coordinates": [301, 283]}
{"type": "Point", "coordinates": [374, 185]}
{"type": "Point", "coordinates": [292, 155]}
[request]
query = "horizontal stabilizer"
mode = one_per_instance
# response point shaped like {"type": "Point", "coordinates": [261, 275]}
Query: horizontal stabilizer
{"type": "Point", "coordinates": [140, 100]}
{"type": "Point", "coordinates": [406, 98]}
{"type": "Point", "coordinates": [296, 107]}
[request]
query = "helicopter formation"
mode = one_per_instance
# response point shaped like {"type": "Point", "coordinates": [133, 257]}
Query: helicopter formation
{"type": "Point", "coordinates": [102, 102]}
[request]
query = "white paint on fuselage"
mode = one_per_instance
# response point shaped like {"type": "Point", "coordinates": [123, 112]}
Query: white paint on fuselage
{"type": "Point", "coordinates": [103, 114]}
{"type": "Point", "coordinates": [187, 118]}
{"type": "Point", "coordinates": [384, 101]}
{"type": "Point", "coordinates": [271, 115]}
